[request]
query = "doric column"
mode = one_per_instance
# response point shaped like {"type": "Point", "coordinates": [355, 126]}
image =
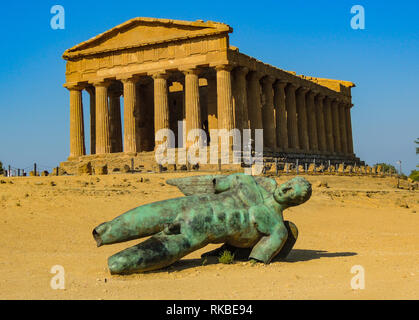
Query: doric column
{"type": "Point", "coordinates": [290, 102]}
{"type": "Point", "coordinates": [192, 103]}
{"type": "Point", "coordinates": [312, 122]}
{"type": "Point", "coordinates": [77, 146]}
{"type": "Point", "coordinates": [92, 94]}
{"type": "Point", "coordinates": [349, 129]}
{"type": "Point", "coordinates": [224, 98]}
{"type": "Point", "coordinates": [103, 141]}
{"type": "Point", "coordinates": [161, 104]}
{"type": "Point", "coordinates": [329, 124]}
{"type": "Point", "coordinates": [115, 120]}
{"type": "Point", "coordinates": [302, 118]}
{"type": "Point", "coordinates": [240, 97]}
{"type": "Point", "coordinates": [130, 103]}
{"type": "Point", "coordinates": [253, 100]}
{"type": "Point", "coordinates": [139, 115]}
{"type": "Point", "coordinates": [336, 127]}
{"type": "Point", "coordinates": [281, 115]}
{"type": "Point", "coordinates": [343, 132]}
{"type": "Point", "coordinates": [268, 114]}
{"type": "Point", "coordinates": [321, 128]}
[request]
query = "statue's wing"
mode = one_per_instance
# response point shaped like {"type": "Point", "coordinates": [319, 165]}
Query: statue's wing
{"type": "Point", "coordinates": [195, 184]}
{"type": "Point", "coordinates": [206, 184]}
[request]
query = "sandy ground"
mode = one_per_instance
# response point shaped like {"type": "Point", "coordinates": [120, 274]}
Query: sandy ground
{"type": "Point", "coordinates": [47, 221]}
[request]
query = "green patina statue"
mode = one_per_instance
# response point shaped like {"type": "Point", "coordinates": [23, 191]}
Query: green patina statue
{"type": "Point", "coordinates": [241, 211]}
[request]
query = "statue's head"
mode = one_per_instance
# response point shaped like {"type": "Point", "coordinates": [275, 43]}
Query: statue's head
{"type": "Point", "coordinates": [293, 192]}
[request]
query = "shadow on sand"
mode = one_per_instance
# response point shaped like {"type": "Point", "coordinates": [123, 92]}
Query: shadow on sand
{"type": "Point", "coordinates": [295, 255]}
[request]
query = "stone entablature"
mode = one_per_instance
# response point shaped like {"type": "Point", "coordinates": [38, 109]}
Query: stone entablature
{"type": "Point", "coordinates": [168, 71]}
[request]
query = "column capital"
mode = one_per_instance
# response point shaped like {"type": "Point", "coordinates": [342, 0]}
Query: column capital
{"type": "Point", "coordinates": [102, 83]}
{"type": "Point", "coordinates": [303, 90]}
{"type": "Point", "coordinates": [241, 71]}
{"type": "Point", "coordinates": [292, 86]}
{"type": "Point", "coordinates": [74, 87]}
{"type": "Point", "coordinates": [268, 80]}
{"type": "Point", "coordinates": [320, 96]}
{"type": "Point", "coordinates": [329, 99]}
{"type": "Point", "coordinates": [312, 93]}
{"type": "Point", "coordinates": [280, 84]}
{"type": "Point", "coordinates": [254, 75]}
{"type": "Point", "coordinates": [129, 79]}
{"type": "Point", "coordinates": [160, 75]}
{"type": "Point", "coordinates": [193, 71]}
{"type": "Point", "coordinates": [224, 67]}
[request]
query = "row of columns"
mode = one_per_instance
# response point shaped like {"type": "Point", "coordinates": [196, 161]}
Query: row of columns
{"type": "Point", "coordinates": [105, 115]}
{"type": "Point", "coordinates": [294, 119]}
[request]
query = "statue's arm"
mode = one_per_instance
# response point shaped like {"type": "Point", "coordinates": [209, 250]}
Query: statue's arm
{"type": "Point", "coordinates": [275, 231]}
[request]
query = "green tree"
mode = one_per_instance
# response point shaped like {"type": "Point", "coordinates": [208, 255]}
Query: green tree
{"type": "Point", "coordinates": [417, 148]}
{"type": "Point", "coordinates": [1, 168]}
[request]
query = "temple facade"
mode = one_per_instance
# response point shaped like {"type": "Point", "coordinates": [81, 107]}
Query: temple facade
{"type": "Point", "coordinates": [149, 74]}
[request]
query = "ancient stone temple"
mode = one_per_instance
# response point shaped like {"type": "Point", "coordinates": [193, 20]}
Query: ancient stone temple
{"type": "Point", "coordinates": [147, 74]}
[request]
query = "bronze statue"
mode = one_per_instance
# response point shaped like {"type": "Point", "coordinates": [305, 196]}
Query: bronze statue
{"type": "Point", "coordinates": [238, 210]}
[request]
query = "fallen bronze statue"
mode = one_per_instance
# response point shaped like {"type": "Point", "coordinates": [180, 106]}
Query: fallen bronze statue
{"type": "Point", "coordinates": [242, 212]}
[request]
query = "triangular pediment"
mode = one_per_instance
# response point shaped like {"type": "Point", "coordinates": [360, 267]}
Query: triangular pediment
{"type": "Point", "coordinates": [145, 31]}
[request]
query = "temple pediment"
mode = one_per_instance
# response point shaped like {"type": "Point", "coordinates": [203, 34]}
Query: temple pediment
{"type": "Point", "coordinates": [139, 32]}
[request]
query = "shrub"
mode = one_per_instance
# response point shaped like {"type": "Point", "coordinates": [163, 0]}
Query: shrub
{"type": "Point", "coordinates": [226, 257]}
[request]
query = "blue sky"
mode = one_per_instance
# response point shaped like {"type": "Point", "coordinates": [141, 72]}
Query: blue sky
{"type": "Point", "coordinates": [309, 37]}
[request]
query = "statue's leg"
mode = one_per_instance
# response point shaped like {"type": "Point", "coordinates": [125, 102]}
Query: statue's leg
{"type": "Point", "coordinates": [291, 240]}
{"type": "Point", "coordinates": [160, 251]}
{"type": "Point", "coordinates": [137, 223]}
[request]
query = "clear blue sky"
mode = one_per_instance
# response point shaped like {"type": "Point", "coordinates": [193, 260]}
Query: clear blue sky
{"type": "Point", "coordinates": [309, 37]}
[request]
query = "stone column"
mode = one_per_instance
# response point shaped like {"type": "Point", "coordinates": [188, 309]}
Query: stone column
{"type": "Point", "coordinates": [77, 146]}
{"type": "Point", "coordinates": [192, 103]}
{"type": "Point", "coordinates": [161, 104]}
{"type": "Point", "coordinates": [268, 114]}
{"type": "Point", "coordinates": [349, 129]}
{"type": "Point", "coordinates": [312, 122]}
{"type": "Point", "coordinates": [240, 97]}
{"type": "Point", "coordinates": [224, 98]}
{"type": "Point", "coordinates": [130, 103]}
{"type": "Point", "coordinates": [336, 127]}
{"type": "Point", "coordinates": [115, 120]}
{"type": "Point", "coordinates": [293, 142]}
{"type": "Point", "coordinates": [321, 128]}
{"type": "Point", "coordinates": [329, 124]}
{"type": "Point", "coordinates": [92, 93]}
{"type": "Point", "coordinates": [343, 132]}
{"type": "Point", "coordinates": [302, 119]}
{"type": "Point", "coordinates": [103, 141]}
{"type": "Point", "coordinates": [253, 100]}
{"type": "Point", "coordinates": [281, 115]}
